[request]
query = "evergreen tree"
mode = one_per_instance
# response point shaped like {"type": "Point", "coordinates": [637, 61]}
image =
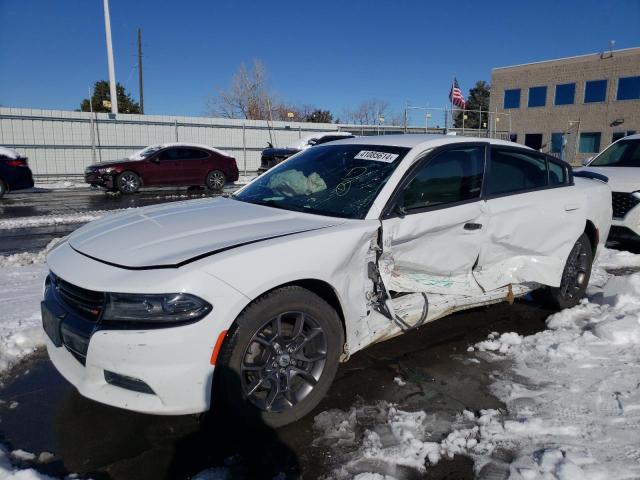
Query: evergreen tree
{"type": "Point", "coordinates": [319, 116]}
{"type": "Point", "coordinates": [101, 92]}
{"type": "Point", "coordinates": [478, 99]}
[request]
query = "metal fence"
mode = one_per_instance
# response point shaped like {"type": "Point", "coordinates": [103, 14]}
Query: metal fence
{"type": "Point", "coordinates": [62, 143]}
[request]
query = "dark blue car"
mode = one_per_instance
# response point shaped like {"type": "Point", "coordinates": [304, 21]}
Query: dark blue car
{"type": "Point", "coordinates": [15, 173]}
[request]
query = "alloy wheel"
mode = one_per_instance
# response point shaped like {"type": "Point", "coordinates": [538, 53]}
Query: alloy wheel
{"type": "Point", "coordinates": [129, 182]}
{"type": "Point", "coordinates": [283, 361]}
{"type": "Point", "coordinates": [575, 273]}
{"type": "Point", "coordinates": [216, 180]}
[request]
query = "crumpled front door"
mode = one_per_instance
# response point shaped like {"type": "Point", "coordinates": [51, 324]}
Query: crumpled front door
{"type": "Point", "coordinates": [434, 251]}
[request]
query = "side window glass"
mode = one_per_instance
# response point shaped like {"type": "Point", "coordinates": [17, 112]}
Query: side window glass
{"type": "Point", "coordinates": [452, 176]}
{"type": "Point", "coordinates": [513, 171]}
{"type": "Point", "coordinates": [196, 154]}
{"type": "Point", "coordinates": [557, 174]}
{"type": "Point", "coordinates": [170, 154]}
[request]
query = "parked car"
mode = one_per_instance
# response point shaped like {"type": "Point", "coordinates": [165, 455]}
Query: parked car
{"type": "Point", "coordinates": [254, 299]}
{"type": "Point", "coordinates": [620, 162]}
{"type": "Point", "coordinates": [167, 164]}
{"type": "Point", "coordinates": [273, 156]}
{"type": "Point", "coordinates": [15, 173]}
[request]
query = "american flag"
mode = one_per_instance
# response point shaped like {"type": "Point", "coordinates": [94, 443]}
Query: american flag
{"type": "Point", "coordinates": [455, 95]}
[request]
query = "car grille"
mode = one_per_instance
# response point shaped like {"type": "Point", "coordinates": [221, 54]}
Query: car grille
{"type": "Point", "coordinates": [622, 203]}
{"type": "Point", "coordinates": [87, 303]}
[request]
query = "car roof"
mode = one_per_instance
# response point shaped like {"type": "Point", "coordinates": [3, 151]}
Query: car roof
{"type": "Point", "coordinates": [424, 140]}
{"type": "Point", "coordinates": [189, 145]}
{"type": "Point", "coordinates": [635, 136]}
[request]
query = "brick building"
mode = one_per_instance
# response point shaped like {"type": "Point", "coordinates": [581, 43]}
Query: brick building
{"type": "Point", "coordinates": [571, 107]}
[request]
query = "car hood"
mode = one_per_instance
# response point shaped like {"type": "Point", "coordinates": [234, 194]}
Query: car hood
{"type": "Point", "coordinates": [621, 179]}
{"type": "Point", "coordinates": [170, 235]}
{"type": "Point", "coordinates": [111, 163]}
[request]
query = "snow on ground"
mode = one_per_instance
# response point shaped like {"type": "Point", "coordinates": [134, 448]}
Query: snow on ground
{"type": "Point", "coordinates": [572, 396]}
{"type": "Point", "coordinates": [572, 393]}
{"type": "Point", "coordinates": [45, 220]}
{"type": "Point", "coordinates": [21, 282]}
{"type": "Point", "coordinates": [59, 185]}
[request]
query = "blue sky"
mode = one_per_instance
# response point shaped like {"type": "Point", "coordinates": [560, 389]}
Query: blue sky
{"type": "Point", "coordinates": [333, 54]}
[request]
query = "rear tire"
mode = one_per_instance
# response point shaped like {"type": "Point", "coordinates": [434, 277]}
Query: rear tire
{"type": "Point", "coordinates": [279, 357]}
{"type": "Point", "coordinates": [575, 278]}
{"type": "Point", "coordinates": [128, 182]}
{"type": "Point", "coordinates": [216, 180]}
{"type": "Point", "coordinates": [3, 188]}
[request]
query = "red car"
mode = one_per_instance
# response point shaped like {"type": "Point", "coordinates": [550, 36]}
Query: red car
{"type": "Point", "coordinates": [174, 164]}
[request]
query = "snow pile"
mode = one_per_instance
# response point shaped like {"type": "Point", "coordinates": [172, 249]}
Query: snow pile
{"type": "Point", "coordinates": [60, 185]}
{"type": "Point", "coordinates": [20, 323]}
{"type": "Point", "coordinates": [9, 472]}
{"type": "Point", "coordinates": [610, 259]}
{"type": "Point", "coordinates": [577, 385]}
{"type": "Point", "coordinates": [21, 282]}
{"type": "Point", "coordinates": [384, 442]}
{"type": "Point", "coordinates": [44, 220]}
{"type": "Point", "coordinates": [27, 258]}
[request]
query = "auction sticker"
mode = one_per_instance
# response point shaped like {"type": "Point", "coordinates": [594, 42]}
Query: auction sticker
{"type": "Point", "coordinates": [377, 156]}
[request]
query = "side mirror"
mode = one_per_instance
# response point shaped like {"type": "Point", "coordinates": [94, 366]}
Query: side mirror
{"type": "Point", "coordinates": [155, 160]}
{"type": "Point", "coordinates": [586, 161]}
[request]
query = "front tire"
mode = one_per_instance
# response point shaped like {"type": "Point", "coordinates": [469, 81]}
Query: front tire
{"type": "Point", "coordinates": [128, 182]}
{"type": "Point", "coordinates": [216, 180]}
{"type": "Point", "coordinates": [280, 357]}
{"type": "Point", "coordinates": [575, 278]}
{"type": "Point", "coordinates": [3, 188]}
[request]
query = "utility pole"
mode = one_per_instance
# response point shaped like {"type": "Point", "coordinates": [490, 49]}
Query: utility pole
{"type": "Point", "coordinates": [112, 68]}
{"type": "Point", "coordinates": [140, 70]}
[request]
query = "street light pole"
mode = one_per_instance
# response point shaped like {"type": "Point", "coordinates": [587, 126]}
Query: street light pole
{"type": "Point", "coordinates": [112, 69]}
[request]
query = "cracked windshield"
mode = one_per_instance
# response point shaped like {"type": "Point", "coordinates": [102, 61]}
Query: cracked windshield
{"type": "Point", "coordinates": [336, 180]}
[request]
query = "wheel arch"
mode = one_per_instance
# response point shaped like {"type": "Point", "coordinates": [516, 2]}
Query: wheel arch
{"type": "Point", "coordinates": [593, 235]}
{"type": "Point", "coordinates": [321, 288]}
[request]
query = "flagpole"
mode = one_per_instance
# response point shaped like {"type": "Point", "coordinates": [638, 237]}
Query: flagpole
{"type": "Point", "coordinates": [453, 82]}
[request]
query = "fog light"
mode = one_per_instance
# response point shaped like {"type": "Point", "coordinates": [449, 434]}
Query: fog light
{"type": "Point", "coordinates": [126, 382]}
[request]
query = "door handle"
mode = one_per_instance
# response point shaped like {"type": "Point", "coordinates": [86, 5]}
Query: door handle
{"type": "Point", "coordinates": [571, 208]}
{"type": "Point", "coordinates": [472, 226]}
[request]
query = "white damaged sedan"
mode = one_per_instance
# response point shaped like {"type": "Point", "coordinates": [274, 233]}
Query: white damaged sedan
{"type": "Point", "coordinates": [254, 299]}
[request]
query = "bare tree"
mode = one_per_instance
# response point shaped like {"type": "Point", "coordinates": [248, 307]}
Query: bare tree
{"type": "Point", "coordinates": [249, 95]}
{"type": "Point", "coordinates": [368, 112]}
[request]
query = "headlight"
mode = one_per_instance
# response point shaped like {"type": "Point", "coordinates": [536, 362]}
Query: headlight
{"type": "Point", "coordinates": [160, 308]}
{"type": "Point", "coordinates": [106, 170]}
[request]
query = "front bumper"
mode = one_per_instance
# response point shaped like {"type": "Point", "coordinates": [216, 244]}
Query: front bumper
{"type": "Point", "coordinates": [626, 227]}
{"type": "Point", "coordinates": [174, 362]}
{"type": "Point", "coordinates": [99, 180]}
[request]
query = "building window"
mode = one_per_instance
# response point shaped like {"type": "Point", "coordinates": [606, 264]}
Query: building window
{"type": "Point", "coordinates": [512, 98]}
{"type": "Point", "coordinates": [565, 94]}
{"type": "Point", "coordinates": [595, 91]}
{"type": "Point", "coordinates": [537, 96]}
{"type": "Point", "coordinates": [556, 142]}
{"type": "Point", "coordinates": [628, 88]}
{"type": "Point", "coordinates": [589, 142]}
{"type": "Point", "coordinates": [533, 140]}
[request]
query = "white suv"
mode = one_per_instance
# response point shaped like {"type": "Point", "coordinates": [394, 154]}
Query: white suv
{"type": "Point", "coordinates": [620, 162]}
{"type": "Point", "coordinates": [262, 294]}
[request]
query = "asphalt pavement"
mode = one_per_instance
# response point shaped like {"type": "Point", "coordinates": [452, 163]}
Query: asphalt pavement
{"type": "Point", "coordinates": [47, 205]}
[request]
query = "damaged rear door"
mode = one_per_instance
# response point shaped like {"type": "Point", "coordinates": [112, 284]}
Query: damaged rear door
{"type": "Point", "coordinates": [536, 217]}
{"type": "Point", "coordinates": [433, 227]}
